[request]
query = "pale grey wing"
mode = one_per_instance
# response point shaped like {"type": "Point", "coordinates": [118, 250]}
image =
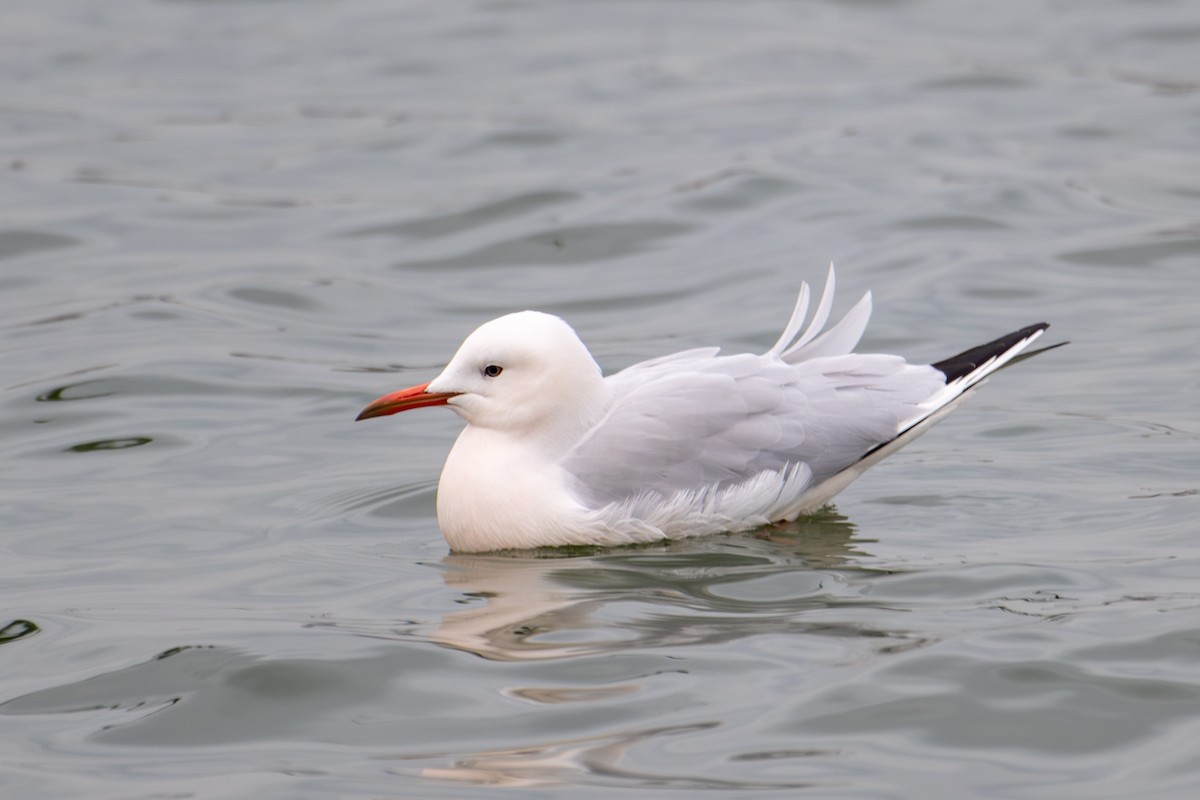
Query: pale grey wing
{"type": "Point", "coordinates": [697, 420]}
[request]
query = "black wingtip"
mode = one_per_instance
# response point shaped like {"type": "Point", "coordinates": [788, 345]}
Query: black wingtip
{"type": "Point", "coordinates": [965, 362]}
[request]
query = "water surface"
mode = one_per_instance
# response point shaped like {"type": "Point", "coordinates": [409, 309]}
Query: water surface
{"type": "Point", "coordinates": [226, 226]}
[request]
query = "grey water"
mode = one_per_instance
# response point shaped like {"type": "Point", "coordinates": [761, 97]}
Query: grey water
{"type": "Point", "coordinates": [226, 226]}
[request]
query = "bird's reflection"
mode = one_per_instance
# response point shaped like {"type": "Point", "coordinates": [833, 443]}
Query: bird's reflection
{"type": "Point", "coordinates": [651, 600]}
{"type": "Point", "coordinates": [590, 759]}
{"type": "Point", "coordinates": [562, 603]}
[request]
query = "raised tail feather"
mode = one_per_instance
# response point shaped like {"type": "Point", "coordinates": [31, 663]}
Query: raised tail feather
{"type": "Point", "coordinates": [795, 346]}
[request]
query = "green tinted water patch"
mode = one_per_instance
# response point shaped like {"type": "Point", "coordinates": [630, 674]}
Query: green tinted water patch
{"type": "Point", "coordinates": [110, 444]}
{"type": "Point", "coordinates": [17, 629]}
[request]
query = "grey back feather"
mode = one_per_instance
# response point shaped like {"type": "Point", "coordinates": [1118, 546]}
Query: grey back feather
{"type": "Point", "coordinates": [698, 419]}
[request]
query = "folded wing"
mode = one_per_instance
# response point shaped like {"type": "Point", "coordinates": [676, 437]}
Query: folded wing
{"type": "Point", "coordinates": [808, 409]}
{"type": "Point", "coordinates": [698, 419]}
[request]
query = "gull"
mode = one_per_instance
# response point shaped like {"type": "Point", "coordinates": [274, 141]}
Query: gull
{"type": "Point", "coordinates": [554, 453]}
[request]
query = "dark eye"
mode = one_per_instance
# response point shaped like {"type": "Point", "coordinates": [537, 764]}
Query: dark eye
{"type": "Point", "coordinates": [493, 370]}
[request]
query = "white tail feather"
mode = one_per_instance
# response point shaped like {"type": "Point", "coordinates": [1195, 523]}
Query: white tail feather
{"type": "Point", "coordinates": [839, 340]}
{"type": "Point", "coordinates": [793, 327]}
{"type": "Point", "coordinates": [822, 314]}
{"type": "Point", "coordinates": [795, 346]}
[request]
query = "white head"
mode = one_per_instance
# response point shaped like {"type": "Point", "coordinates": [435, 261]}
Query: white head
{"type": "Point", "coordinates": [525, 374]}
